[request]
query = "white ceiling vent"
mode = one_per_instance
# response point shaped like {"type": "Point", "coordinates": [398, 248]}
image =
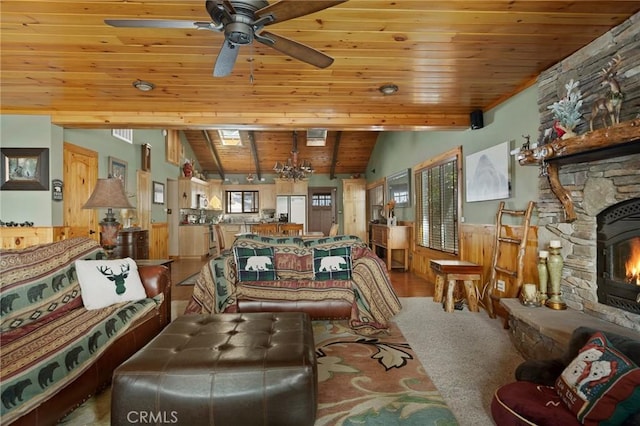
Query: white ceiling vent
{"type": "Point", "coordinates": [123, 134]}
{"type": "Point", "coordinates": [316, 137]}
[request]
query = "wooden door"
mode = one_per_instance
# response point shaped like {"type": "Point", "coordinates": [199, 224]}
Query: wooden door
{"type": "Point", "coordinates": [143, 209]}
{"type": "Point", "coordinates": [322, 209]}
{"type": "Point", "coordinates": [79, 176]}
{"type": "Point", "coordinates": [354, 207]}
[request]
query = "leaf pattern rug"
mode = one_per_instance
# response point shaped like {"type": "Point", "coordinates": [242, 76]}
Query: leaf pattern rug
{"type": "Point", "coordinates": [367, 380]}
{"type": "Point", "coordinates": [362, 380]}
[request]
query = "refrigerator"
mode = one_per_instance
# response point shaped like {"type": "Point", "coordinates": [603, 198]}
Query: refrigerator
{"type": "Point", "coordinates": [293, 205]}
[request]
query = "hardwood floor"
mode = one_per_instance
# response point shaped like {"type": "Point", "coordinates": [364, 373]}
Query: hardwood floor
{"type": "Point", "coordinates": [406, 284]}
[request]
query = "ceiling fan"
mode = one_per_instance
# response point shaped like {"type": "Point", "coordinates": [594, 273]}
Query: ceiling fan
{"type": "Point", "coordinates": [242, 21]}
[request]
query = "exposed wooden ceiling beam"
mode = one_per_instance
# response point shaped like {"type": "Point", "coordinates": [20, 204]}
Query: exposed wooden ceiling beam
{"type": "Point", "coordinates": [254, 153]}
{"type": "Point", "coordinates": [214, 153]}
{"type": "Point", "coordinates": [334, 161]}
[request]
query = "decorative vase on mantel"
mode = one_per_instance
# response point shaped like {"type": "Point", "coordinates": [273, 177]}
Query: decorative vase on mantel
{"type": "Point", "coordinates": [554, 266]}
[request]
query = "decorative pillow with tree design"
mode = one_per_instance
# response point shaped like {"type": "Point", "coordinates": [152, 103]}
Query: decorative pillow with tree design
{"type": "Point", "coordinates": [106, 282]}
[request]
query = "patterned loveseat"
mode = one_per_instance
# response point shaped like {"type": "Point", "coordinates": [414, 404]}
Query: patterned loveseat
{"type": "Point", "coordinates": [334, 277]}
{"type": "Point", "coordinates": [55, 352]}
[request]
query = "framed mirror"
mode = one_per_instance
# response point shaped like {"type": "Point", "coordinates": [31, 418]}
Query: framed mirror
{"type": "Point", "coordinates": [399, 188]}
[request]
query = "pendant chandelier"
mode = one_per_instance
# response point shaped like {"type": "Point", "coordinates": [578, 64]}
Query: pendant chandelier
{"type": "Point", "coordinates": [292, 170]}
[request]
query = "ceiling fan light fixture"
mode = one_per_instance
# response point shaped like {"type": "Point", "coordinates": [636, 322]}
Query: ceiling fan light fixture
{"type": "Point", "coordinates": [143, 86]}
{"type": "Point", "coordinates": [388, 89]}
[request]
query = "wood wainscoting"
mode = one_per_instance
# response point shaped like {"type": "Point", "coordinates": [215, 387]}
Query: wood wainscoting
{"type": "Point", "coordinates": [476, 245]}
{"type": "Point", "coordinates": [26, 236]}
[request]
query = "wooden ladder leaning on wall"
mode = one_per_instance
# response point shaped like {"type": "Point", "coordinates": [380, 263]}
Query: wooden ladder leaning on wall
{"type": "Point", "coordinates": [498, 267]}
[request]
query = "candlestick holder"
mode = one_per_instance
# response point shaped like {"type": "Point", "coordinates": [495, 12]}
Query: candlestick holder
{"type": "Point", "coordinates": [554, 266]}
{"type": "Point", "coordinates": [543, 276]}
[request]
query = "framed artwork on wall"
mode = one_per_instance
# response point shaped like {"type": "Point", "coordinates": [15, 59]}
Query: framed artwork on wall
{"type": "Point", "coordinates": [158, 193]}
{"type": "Point", "coordinates": [487, 173]}
{"type": "Point", "coordinates": [118, 169]}
{"type": "Point", "coordinates": [25, 169]}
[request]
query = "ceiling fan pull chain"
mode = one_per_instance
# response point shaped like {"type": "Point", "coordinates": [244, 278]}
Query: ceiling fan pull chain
{"type": "Point", "coordinates": [251, 66]}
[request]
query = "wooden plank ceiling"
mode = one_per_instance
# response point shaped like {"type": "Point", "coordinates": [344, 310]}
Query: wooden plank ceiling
{"type": "Point", "coordinates": [447, 58]}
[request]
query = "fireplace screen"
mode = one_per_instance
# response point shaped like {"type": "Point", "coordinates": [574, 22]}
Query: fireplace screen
{"type": "Point", "coordinates": [619, 256]}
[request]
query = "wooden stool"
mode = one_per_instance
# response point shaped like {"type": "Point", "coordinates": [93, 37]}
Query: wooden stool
{"type": "Point", "coordinates": [452, 271]}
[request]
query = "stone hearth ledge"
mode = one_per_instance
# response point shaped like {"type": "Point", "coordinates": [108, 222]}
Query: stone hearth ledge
{"type": "Point", "coordinates": [543, 333]}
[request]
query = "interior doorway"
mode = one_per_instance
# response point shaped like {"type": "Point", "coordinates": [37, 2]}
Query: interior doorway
{"type": "Point", "coordinates": [80, 173]}
{"type": "Point", "coordinates": [322, 209]}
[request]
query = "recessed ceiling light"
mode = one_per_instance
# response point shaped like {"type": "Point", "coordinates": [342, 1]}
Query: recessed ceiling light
{"type": "Point", "coordinates": [143, 86]}
{"type": "Point", "coordinates": [388, 89]}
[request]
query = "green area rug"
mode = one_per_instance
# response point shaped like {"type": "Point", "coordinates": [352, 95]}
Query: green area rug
{"type": "Point", "coordinates": [361, 381]}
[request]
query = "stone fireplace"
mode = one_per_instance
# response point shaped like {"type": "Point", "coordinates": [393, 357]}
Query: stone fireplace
{"type": "Point", "coordinates": [618, 254]}
{"type": "Point", "coordinates": [597, 187]}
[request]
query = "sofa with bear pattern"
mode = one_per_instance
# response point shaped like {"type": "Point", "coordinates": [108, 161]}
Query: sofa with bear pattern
{"type": "Point", "coordinates": [335, 277]}
{"type": "Point", "coordinates": [68, 318]}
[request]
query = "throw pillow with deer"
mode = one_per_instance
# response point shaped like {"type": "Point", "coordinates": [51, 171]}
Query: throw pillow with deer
{"type": "Point", "coordinates": [105, 282]}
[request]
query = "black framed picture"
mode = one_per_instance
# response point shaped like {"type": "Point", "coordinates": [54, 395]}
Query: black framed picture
{"type": "Point", "coordinates": [24, 169]}
{"type": "Point", "coordinates": [158, 193]}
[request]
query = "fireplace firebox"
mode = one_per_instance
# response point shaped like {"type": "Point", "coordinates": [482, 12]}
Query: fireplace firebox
{"type": "Point", "coordinates": [618, 260]}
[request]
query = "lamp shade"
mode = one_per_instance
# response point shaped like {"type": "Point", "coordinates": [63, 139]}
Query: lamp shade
{"type": "Point", "coordinates": [108, 193]}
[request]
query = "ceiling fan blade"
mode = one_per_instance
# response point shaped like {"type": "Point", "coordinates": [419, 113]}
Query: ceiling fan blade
{"type": "Point", "coordinates": [294, 49]}
{"type": "Point", "coordinates": [226, 59]}
{"type": "Point", "coordinates": [289, 9]}
{"type": "Point", "coordinates": [158, 23]}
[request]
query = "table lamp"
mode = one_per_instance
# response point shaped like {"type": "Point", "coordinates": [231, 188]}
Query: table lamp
{"type": "Point", "coordinates": [108, 194]}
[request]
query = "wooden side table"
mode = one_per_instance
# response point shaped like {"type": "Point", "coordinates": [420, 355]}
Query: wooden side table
{"type": "Point", "coordinates": [452, 271]}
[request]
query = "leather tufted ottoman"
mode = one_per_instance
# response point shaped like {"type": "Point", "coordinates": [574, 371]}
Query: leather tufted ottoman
{"type": "Point", "coordinates": [223, 369]}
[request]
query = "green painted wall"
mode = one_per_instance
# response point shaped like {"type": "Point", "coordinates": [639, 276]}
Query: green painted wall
{"type": "Point", "coordinates": [18, 131]}
{"type": "Point", "coordinates": [393, 152]}
{"type": "Point", "coordinates": [517, 116]}
{"type": "Point", "coordinates": [37, 131]}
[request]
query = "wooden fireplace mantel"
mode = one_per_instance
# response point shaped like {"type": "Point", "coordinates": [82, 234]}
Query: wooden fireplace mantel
{"type": "Point", "coordinates": [620, 139]}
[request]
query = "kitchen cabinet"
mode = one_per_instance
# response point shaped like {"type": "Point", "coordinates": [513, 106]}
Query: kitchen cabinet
{"type": "Point", "coordinates": [289, 187]}
{"type": "Point", "coordinates": [354, 207]}
{"type": "Point", "coordinates": [267, 197]}
{"type": "Point", "coordinates": [392, 238]}
{"type": "Point", "coordinates": [215, 194]}
{"type": "Point", "coordinates": [194, 241]}
{"type": "Point", "coordinates": [229, 230]}
{"type": "Point", "coordinates": [188, 191]}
